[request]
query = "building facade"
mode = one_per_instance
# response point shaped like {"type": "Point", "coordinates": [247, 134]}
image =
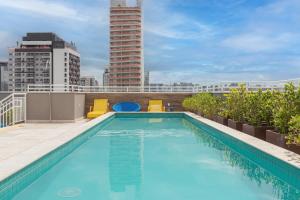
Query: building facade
{"type": "Point", "coordinates": [4, 76]}
{"type": "Point", "coordinates": [126, 44]}
{"type": "Point", "coordinates": [105, 77]}
{"type": "Point", "coordinates": [147, 78]}
{"type": "Point", "coordinates": [88, 81]}
{"type": "Point", "coordinates": [43, 58]}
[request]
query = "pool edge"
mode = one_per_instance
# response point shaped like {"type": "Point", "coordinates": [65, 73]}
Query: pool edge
{"type": "Point", "coordinates": [279, 153]}
{"type": "Point", "coordinates": [16, 163]}
{"type": "Point", "coordinates": [267, 148]}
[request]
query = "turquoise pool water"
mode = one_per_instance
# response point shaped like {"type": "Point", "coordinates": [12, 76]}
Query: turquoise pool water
{"type": "Point", "coordinates": [157, 158]}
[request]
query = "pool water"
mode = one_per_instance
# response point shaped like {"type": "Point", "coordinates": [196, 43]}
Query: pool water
{"type": "Point", "coordinates": [156, 159]}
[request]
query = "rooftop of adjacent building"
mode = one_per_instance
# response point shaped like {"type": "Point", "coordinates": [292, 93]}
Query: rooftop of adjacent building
{"type": "Point", "coordinates": [57, 42]}
{"type": "Point", "coordinates": [125, 3]}
{"type": "Point", "coordinates": [3, 63]}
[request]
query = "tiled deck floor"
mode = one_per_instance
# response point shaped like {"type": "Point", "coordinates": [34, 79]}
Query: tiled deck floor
{"type": "Point", "coordinates": [22, 137]}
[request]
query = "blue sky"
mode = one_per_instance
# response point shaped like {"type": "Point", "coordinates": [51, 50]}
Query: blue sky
{"type": "Point", "coordinates": [185, 40]}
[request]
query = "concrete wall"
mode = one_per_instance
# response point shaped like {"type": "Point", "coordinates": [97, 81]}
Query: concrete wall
{"type": "Point", "coordinates": [79, 106]}
{"type": "Point", "coordinates": [55, 107]}
{"type": "Point", "coordinates": [67, 107]}
{"type": "Point", "coordinates": [38, 107]}
{"type": "Point", "coordinates": [142, 98]}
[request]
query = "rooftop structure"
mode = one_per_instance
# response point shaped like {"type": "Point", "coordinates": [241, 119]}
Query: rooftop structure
{"type": "Point", "coordinates": [126, 44]}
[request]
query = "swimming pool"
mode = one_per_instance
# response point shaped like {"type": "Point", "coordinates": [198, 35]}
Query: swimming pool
{"type": "Point", "coordinates": [155, 156]}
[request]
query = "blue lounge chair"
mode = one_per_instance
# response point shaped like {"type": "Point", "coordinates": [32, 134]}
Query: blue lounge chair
{"type": "Point", "coordinates": [127, 107]}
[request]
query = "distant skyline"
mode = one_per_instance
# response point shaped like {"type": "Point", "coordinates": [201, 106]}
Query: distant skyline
{"type": "Point", "coordinates": [185, 41]}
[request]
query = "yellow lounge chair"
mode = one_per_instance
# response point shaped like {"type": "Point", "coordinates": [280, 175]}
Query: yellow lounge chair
{"type": "Point", "coordinates": [100, 107]}
{"type": "Point", "coordinates": [156, 106]}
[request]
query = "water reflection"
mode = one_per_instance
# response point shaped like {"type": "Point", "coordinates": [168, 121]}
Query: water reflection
{"type": "Point", "coordinates": [255, 173]}
{"type": "Point", "coordinates": [126, 164]}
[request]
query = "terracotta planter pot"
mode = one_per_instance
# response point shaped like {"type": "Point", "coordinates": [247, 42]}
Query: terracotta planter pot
{"type": "Point", "coordinates": [221, 120]}
{"type": "Point", "coordinates": [235, 125]}
{"type": "Point", "coordinates": [276, 138]}
{"type": "Point", "coordinates": [279, 140]}
{"type": "Point", "coordinates": [294, 148]}
{"type": "Point", "coordinates": [258, 132]}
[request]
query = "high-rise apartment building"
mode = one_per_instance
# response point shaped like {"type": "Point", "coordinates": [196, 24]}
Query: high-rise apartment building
{"type": "Point", "coordinates": [4, 76]}
{"type": "Point", "coordinates": [147, 78]}
{"type": "Point", "coordinates": [43, 58]}
{"type": "Point", "coordinates": [105, 77]}
{"type": "Point", "coordinates": [126, 44]}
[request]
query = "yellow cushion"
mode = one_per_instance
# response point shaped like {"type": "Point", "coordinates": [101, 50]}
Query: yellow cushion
{"type": "Point", "coordinates": [95, 114]}
{"type": "Point", "coordinates": [100, 104]}
{"type": "Point", "coordinates": [155, 108]}
{"type": "Point", "coordinates": [155, 102]}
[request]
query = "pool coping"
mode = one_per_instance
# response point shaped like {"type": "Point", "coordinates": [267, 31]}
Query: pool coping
{"type": "Point", "coordinates": [16, 163]}
{"type": "Point", "coordinates": [279, 153]}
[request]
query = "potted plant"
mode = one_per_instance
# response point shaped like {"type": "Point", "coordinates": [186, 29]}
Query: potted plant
{"type": "Point", "coordinates": [208, 105]}
{"type": "Point", "coordinates": [286, 105]}
{"type": "Point", "coordinates": [235, 107]}
{"type": "Point", "coordinates": [258, 113]}
{"type": "Point", "coordinates": [293, 137]}
{"type": "Point", "coordinates": [189, 104]}
{"type": "Point", "coordinates": [222, 113]}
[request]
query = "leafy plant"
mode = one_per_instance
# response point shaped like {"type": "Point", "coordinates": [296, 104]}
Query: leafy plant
{"type": "Point", "coordinates": [285, 107]}
{"type": "Point", "coordinates": [294, 131]}
{"type": "Point", "coordinates": [235, 104]}
{"type": "Point", "coordinates": [189, 104]}
{"type": "Point", "coordinates": [208, 104]}
{"type": "Point", "coordinates": [258, 108]}
{"type": "Point", "coordinates": [204, 103]}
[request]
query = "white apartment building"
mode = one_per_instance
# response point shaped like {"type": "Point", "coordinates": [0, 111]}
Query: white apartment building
{"type": "Point", "coordinates": [43, 58]}
{"type": "Point", "coordinates": [88, 81]}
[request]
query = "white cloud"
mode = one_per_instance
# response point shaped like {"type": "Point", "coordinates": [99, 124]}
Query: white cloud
{"type": "Point", "coordinates": [173, 24]}
{"type": "Point", "coordinates": [256, 42]}
{"type": "Point", "coordinates": [42, 7]}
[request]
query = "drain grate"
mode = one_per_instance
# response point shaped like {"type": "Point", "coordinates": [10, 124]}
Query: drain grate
{"type": "Point", "coordinates": [69, 192]}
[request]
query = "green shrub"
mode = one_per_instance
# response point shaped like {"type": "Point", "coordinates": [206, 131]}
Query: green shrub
{"type": "Point", "coordinates": [189, 104]}
{"type": "Point", "coordinates": [204, 103]}
{"type": "Point", "coordinates": [294, 131]}
{"type": "Point", "coordinates": [235, 104]}
{"type": "Point", "coordinates": [208, 104]}
{"type": "Point", "coordinates": [258, 108]}
{"type": "Point", "coordinates": [286, 105]}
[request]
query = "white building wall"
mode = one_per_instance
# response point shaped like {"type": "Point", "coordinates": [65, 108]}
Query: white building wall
{"type": "Point", "coordinates": [61, 65]}
{"type": "Point", "coordinates": [59, 60]}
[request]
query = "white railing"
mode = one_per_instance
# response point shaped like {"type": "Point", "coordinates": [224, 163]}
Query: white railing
{"type": "Point", "coordinates": [13, 109]}
{"type": "Point", "coordinates": [213, 87]}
